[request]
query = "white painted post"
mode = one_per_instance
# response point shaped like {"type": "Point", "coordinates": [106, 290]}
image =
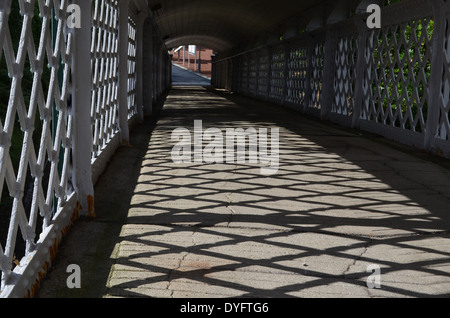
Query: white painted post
{"type": "Point", "coordinates": [155, 67]}
{"type": "Point", "coordinates": [195, 58]}
{"type": "Point", "coordinates": [82, 130]}
{"type": "Point", "coordinates": [287, 49]}
{"type": "Point", "coordinates": [269, 71]}
{"type": "Point", "coordinates": [360, 72]}
{"type": "Point", "coordinates": [437, 61]}
{"type": "Point", "coordinates": [148, 107]}
{"type": "Point", "coordinates": [123, 71]}
{"type": "Point", "coordinates": [329, 70]}
{"type": "Point", "coordinates": [140, 64]}
{"type": "Point", "coordinates": [161, 72]}
{"type": "Point", "coordinates": [309, 70]}
{"type": "Point", "coordinates": [339, 13]}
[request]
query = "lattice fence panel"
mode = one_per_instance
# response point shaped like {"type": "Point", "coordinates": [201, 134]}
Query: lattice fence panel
{"type": "Point", "coordinates": [252, 72]}
{"type": "Point", "coordinates": [398, 72]}
{"type": "Point", "coordinates": [104, 48]}
{"type": "Point", "coordinates": [131, 97]}
{"type": "Point", "coordinates": [277, 73]}
{"type": "Point", "coordinates": [297, 74]}
{"type": "Point", "coordinates": [236, 74]}
{"type": "Point", "coordinates": [316, 80]}
{"type": "Point", "coordinates": [35, 124]}
{"type": "Point", "coordinates": [263, 73]}
{"type": "Point", "coordinates": [345, 75]}
{"type": "Point", "coordinates": [230, 75]}
{"type": "Point", "coordinates": [243, 87]}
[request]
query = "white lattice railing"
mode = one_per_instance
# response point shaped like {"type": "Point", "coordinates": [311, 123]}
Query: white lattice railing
{"type": "Point", "coordinates": [64, 109]}
{"type": "Point", "coordinates": [132, 106]}
{"type": "Point", "coordinates": [105, 61]}
{"type": "Point", "coordinates": [297, 70]}
{"type": "Point", "coordinates": [44, 165]}
{"type": "Point", "coordinates": [396, 87]}
{"type": "Point", "coordinates": [393, 81]}
{"type": "Point", "coordinates": [345, 74]}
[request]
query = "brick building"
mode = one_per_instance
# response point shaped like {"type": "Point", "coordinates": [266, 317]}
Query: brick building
{"type": "Point", "coordinates": [193, 57]}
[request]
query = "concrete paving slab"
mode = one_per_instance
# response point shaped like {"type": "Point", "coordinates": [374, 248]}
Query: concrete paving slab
{"type": "Point", "coordinates": [340, 202]}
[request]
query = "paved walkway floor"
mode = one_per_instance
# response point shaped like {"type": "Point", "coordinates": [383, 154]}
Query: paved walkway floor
{"type": "Point", "coordinates": [340, 202]}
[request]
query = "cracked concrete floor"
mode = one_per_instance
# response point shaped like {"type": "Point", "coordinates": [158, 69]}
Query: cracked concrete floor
{"type": "Point", "coordinates": [340, 202]}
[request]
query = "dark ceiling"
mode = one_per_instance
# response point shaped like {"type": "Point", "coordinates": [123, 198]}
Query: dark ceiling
{"type": "Point", "coordinates": [223, 24]}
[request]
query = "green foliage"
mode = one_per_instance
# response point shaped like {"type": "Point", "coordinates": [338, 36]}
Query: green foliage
{"type": "Point", "coordinates": [407, 69]}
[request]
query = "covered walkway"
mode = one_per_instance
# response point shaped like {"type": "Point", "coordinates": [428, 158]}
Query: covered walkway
{"type": "Point", "coordinates": [340, 202]}
{"type": "Point", "coordinates": [113, 165]}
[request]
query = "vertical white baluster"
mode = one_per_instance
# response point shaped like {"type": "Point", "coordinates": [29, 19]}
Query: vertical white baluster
{"type": "Point", "coordinates": [123, 71]}
{"type": "Point", "coordinates": [329, 70]}
{"type": "Point", "coordinates": [148, 107]}
{"type": "Point", "coordinates": [82, 86]}
{"type": "Point", "coordinates": [140, 64]}
{"type": "Point", "coordinates": [436, 80]}
{"type": "Point", "coordinates": [361, 66]}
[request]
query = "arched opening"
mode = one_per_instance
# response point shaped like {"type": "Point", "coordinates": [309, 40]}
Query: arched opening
{"type": "Point", "coordinates": [194, 58]}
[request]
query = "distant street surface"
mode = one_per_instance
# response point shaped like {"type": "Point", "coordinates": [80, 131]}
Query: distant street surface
{"type": "Point", "coordinates": [184, 77]}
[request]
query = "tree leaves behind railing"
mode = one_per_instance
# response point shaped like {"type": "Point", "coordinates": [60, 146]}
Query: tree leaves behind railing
{"type": "Point", "coordinates": [402, 56]}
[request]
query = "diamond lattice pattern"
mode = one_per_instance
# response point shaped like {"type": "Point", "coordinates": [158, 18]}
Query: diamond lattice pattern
{"type": "Point", "coordinates": [35, 123]}
{"type": "Point", "coordinates": [398, 70]}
